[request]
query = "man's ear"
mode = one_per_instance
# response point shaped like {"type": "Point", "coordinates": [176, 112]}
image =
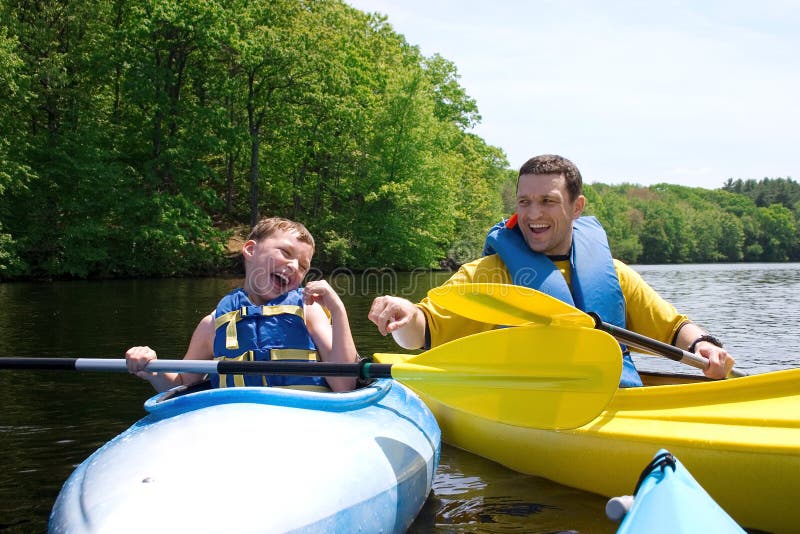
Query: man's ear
{"type": "Point", "coordinates": [577, 207]}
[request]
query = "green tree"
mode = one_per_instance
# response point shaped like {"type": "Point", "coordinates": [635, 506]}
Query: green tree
{"type": "Point", "coordinates": [14, 173]}
{"type": "Point", "coordinates": [780, 232]}
{"type": "Point", "coordinates": [137, 131]}
{"type": "Point", "coordinates": [166, 124]}
{"type": "Point", "coordinates": [451, 102]}
{"type": "Point", "coordinates": [620, 219]}
{"type": "Point", "coordinates": [767, 191]}
{"type": "Point", "coordinates": [58, 44]}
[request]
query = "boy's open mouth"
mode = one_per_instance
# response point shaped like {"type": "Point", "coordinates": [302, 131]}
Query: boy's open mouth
{"type": "Point", "coordinates": [280, 279]}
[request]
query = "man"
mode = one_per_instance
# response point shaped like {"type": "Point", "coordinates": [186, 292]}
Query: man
{"type": "Point", "coordinates": [548, 246]}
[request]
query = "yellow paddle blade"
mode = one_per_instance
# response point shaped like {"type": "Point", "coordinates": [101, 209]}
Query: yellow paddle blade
{"type": "Point", "coordinates": [386, 357]}
{"type": "Point", "coordinates": [533, 376]}
{"type": "Point", "coordinates": [509, 305]}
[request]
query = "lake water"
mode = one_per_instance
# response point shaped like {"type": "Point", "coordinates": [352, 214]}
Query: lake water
{"type": "Point", "coordinates": [51, 421]}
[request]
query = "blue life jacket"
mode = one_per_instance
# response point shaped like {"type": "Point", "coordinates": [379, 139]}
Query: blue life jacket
{"type": "Point", "coordinates": [594, 282]}
{"type": "Point", "coordinates": [275, 331]}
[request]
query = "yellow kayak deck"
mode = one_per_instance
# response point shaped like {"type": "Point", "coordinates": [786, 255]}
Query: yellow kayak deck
{"type": "Point", "coordinates": [740, 438]}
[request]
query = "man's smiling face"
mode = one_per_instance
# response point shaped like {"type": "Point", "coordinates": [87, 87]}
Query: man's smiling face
{"type": "Point", "coordinates": [546, 213]}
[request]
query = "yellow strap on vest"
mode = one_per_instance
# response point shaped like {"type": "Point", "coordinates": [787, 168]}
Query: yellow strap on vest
{"type": "Point", "coordinates": [233, 317]}
{"type": "Point", "coordinates": [293, 354]}
{"type": "Point", "coordinates": [238, 380]}
{"type": "Point", "coordinates": [281, 309]}
{"type": "Point", "coordinates": [274, 354]}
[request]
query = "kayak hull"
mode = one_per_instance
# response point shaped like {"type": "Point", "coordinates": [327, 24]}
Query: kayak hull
{"type": "Point", "coordinates": [260, 460]}
{"type": "Point", "coordinates": [739, 437]}
{"type": "Point", "coordinates": [669, 500]}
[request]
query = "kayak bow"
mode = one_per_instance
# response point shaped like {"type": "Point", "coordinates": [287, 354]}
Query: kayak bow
{"type": "Point", "coordinates": [260, 460]}
{"type": "Point", "coordinates": [668, 500]}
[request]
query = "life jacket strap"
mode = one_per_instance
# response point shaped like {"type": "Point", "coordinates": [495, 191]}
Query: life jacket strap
{"type": "Point", "coordinates": [238, 380]}
{"type": "Point", "coordinates": [274, 354]}
{"type": "Point", "coordinates": [232, 317]}
{"type": "Point", "coordinates": [293, 354]}
{"type": "Point", "coordinates": [279, 309]}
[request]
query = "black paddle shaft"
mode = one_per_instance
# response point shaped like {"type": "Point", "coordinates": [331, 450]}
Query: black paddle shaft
{"type": "Point", "coordinates": [362, 369]}
{"type": "Point", "coordinates": [642, 342]}
{"type": "Point", "coordinates": [638, 340]}
{"type": "Point", "coordinates": [48, 364]}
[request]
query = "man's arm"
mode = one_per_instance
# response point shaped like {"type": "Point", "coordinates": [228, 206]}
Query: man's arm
{"type": "Point", "coordinates": [690, 338]}
{"type": "Point", "coordinates": [647, 313]}
{"type": "Point", "coordinates": [401, 318]}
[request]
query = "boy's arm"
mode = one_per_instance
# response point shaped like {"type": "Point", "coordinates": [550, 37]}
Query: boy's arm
{"type": "Point", "coordinates": [333, 338]}
{"type": "Point", "coordinates": [201, 347]}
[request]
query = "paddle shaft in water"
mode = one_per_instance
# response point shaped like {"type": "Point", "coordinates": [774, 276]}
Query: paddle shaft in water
{"type": "Point", "coordinates": [363, 370]}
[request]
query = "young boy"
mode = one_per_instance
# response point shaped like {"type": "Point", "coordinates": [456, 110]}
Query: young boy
{"type": "Point", "coordinates": [269, 318]}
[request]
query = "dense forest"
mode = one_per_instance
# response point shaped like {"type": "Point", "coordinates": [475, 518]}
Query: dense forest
{"type": "Point", "coordinates": [139, 136]}
{"type": "Point", "coordinates": [676, 224]}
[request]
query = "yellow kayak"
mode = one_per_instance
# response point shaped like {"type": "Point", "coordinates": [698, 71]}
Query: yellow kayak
{"type": "Point", "coordinates": [739, 437]}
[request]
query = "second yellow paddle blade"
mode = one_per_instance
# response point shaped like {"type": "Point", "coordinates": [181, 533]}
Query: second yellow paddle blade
{"type": "Point", "coordinates": [533, 376]}
{"type": "Point", "coordinates": [509, 305]}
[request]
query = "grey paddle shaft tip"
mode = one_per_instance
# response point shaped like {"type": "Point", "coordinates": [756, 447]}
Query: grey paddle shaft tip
{"type": "Point", "coordinates": [617, 507]}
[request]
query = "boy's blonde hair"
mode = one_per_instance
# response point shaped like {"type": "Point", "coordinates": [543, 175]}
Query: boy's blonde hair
{"type": "Point", "coordinates": [268, 225]}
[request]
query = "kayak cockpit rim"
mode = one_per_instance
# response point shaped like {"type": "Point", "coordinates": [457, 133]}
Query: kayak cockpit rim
{"type": "Point", "coordinates": [187, 398]}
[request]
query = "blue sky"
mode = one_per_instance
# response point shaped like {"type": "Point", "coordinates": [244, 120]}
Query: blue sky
{"type": "Point", "coordinates": [684, 92]}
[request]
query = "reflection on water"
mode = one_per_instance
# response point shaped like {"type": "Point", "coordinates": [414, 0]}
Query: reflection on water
{"type": "Point", "coordinates": [51, 421]}
{"type": "Point", "coordinates": [471, 494]}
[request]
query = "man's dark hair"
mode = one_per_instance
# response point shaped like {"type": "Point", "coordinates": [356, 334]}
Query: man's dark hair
{"type": "Point", "coordinates": [552, 164]}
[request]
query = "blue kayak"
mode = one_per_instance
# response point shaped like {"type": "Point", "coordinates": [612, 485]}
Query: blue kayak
{"type": "Point", "coordinates": [260, 460]}
{"type": "Point", "coordinates": [669, 500]}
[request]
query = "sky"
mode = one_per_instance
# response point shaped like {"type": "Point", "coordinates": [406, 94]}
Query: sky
{"type": "Point", "coordinates": [688, 92]}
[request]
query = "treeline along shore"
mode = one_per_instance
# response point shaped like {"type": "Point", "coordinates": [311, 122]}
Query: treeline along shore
{"type": "Point", "coordinates": [141, 137]}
